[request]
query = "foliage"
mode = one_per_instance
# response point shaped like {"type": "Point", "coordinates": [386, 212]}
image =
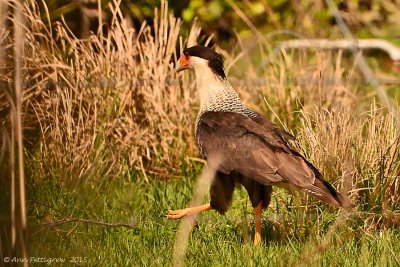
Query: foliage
{"type": "Point", "coordinates": [95, 105]}
{"type": "Point", "coordinates": [107, 114]}
{"type": "Point", "coordinates": [291, 237]}
{"type": "Point", "coordinates": [221, 19]}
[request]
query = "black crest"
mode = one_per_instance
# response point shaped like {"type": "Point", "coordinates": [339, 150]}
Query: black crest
{"type": "Point", "coordinates": [215, 61]}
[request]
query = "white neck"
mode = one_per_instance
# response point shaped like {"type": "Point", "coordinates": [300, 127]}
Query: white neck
{"type": "Point", "coordinates": [216, 94]}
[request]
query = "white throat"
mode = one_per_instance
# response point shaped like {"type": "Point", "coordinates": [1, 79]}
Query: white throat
{"type": "Point", "coordinates": [216, 94]}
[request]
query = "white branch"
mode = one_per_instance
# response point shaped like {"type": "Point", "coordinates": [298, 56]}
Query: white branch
{"type": "Point", "coordinates": [392, 50]}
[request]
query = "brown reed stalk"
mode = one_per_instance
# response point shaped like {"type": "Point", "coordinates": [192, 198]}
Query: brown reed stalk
{"type": "Point", "coordinates": [12, 177]}
{"type": "Point", "coordinates": [18, 57]}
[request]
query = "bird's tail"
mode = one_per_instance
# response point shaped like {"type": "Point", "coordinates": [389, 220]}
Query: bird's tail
{"type": "Point", "coordinates": [324, 191]}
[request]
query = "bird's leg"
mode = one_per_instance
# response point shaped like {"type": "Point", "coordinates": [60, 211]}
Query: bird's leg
{"type": "Point", "coordinates": [257, 219]}
{"type": "Point", "coordinates": [177, 214]}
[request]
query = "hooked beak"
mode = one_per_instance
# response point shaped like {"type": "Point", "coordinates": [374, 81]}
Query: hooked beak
{"type": "Point", "coordinates": [182, 63]}
{"type": "Point", "coordinates": [179, 67]}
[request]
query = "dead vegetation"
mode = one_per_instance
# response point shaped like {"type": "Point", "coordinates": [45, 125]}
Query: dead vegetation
{"type": "Point", "coordinates": [112, 104]}
{"type": "Point", "coordinates": [105, 104]}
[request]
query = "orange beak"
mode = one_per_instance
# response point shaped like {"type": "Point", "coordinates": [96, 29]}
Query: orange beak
{"type": "Point", "coordinates": [182, 63]}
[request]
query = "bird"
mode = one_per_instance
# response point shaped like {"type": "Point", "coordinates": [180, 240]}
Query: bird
{"type": "Point", "coordinates": [244, 147]}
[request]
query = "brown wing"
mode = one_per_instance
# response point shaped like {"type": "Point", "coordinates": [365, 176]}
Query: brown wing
{"type": "Point", "coordinates": [270, 126]}
{"type": "Point", "coordinates": [258, 151]}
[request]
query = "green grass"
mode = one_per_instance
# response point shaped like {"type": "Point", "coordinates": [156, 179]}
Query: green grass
{"type": "Point", "coordinates": [215, 241]}
{"type": "Point", "coordinates": [88, 113]}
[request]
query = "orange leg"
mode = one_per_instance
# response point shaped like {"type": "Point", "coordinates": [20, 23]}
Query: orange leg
{"type": "Point", "coordinates": [177, 214]}
{"type": "Point", "coordinates": [257, 219]}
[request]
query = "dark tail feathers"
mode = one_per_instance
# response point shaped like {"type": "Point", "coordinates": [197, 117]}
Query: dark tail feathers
{"type": "Point", "coordinates": [324, 191]}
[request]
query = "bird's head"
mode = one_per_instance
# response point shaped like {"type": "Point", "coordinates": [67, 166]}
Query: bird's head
{"type": "Point", "coordinates": [199, 57]}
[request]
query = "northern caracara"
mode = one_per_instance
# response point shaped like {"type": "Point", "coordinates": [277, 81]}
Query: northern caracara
{"type": "Point", "coordinates": [251, 150]}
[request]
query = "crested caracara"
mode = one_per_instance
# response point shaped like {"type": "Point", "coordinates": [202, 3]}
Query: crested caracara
{"type": "Point", "coordinates": [250, 149]}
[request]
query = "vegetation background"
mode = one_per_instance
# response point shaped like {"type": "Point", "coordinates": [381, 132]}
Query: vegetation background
{"type": "Point", "coordinates": [98, 130]}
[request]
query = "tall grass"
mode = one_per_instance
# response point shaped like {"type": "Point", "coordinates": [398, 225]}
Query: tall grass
{"type": "Point", "coordinates": [112, 106]}
{"type": "Point", "coordinates": [105, 104]}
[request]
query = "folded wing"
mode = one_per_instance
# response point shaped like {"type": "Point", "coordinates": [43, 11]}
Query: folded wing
{"type": "Point", "coordinates": [257, 149]}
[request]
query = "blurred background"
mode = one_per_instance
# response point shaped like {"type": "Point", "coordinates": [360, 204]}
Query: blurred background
{"type": "Point", "coordinates": [232, 23]}
{"type": "Point", "coordinates": [227, 19]}
{"type": "Point", "coordinates": [97, 129]}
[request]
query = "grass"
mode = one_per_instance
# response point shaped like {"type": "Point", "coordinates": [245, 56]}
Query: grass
{"type": "Point", "coordinates": [215, 241]}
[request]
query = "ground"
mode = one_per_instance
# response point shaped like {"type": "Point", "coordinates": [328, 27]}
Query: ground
{"type": "Point", "coordinates": [291, 237]}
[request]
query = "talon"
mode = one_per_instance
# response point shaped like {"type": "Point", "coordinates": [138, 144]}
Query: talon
{"type": "Point", "coordinates": [173, 216]}
{"type": "Point", "coordinates": [173, 212]}
{"type": "Point", "coordinates": [176, 214]}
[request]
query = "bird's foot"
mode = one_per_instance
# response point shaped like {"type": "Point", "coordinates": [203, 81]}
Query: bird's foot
{"type": "Point", "coordinates": [177, 214]}
{"type": "Point", "coordinates": [257, 239]}
{"type": "Point", "coordinates": [257, 218]}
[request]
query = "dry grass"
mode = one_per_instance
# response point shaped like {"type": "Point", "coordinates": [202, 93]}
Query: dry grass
{"type": "Point", "coordinates": [105, 104]}
{"type": "Point", "coordinates": [12, 138]}
{"type": "Point", "coordinates": [112, 103]}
